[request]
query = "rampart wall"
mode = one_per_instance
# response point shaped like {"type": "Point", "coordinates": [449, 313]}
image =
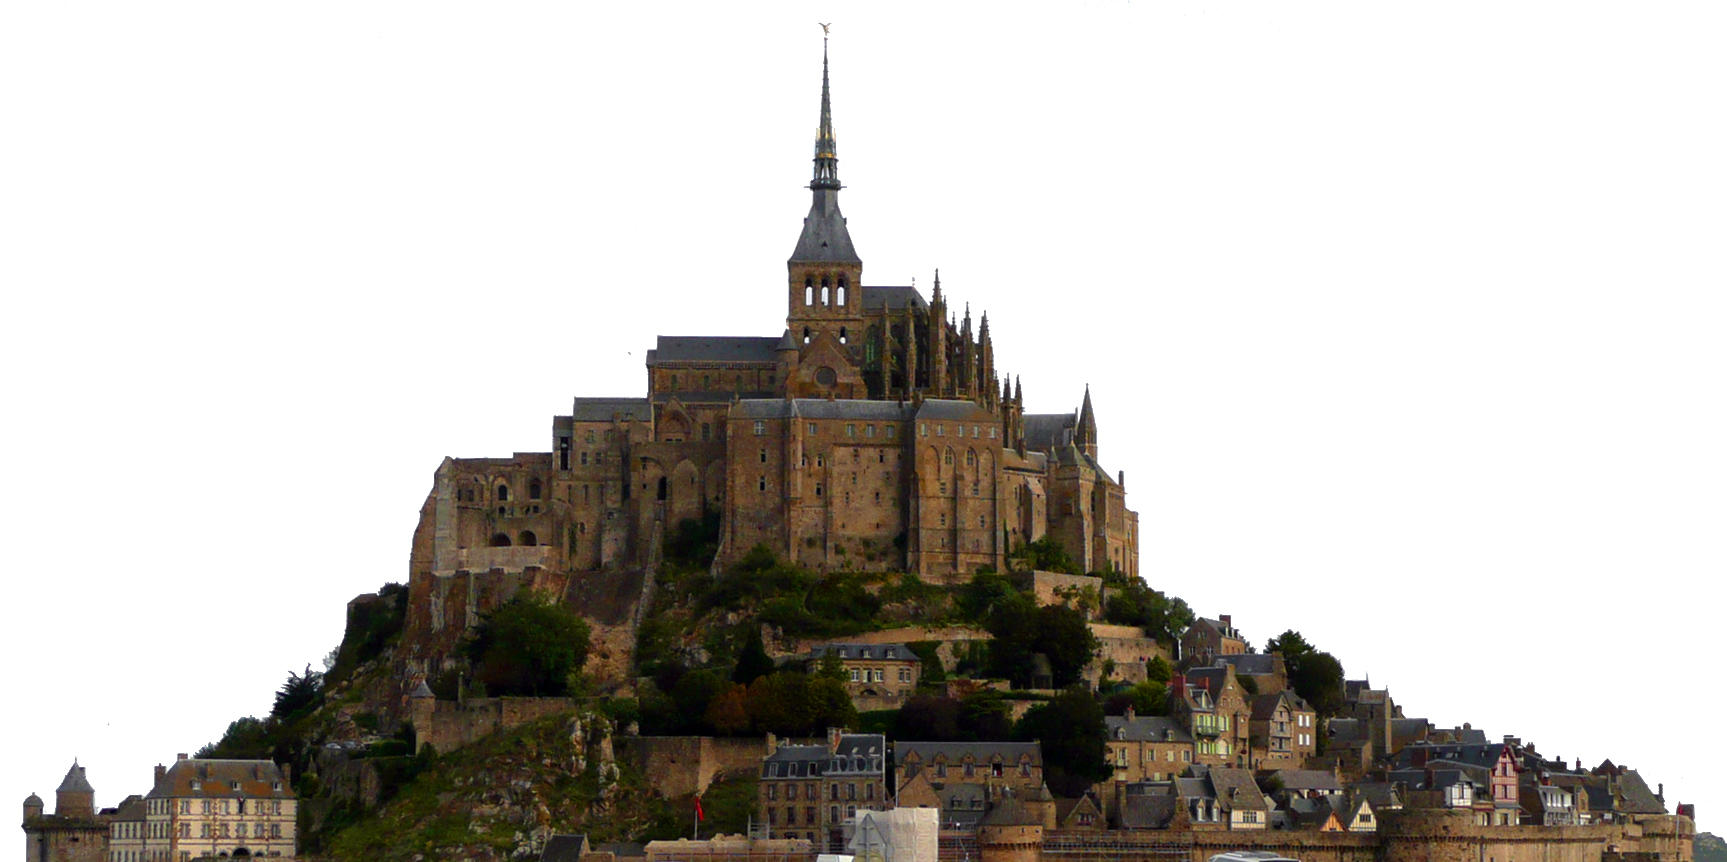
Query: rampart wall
{"type": "Point", "coordinates": [450, 725]}
{"type": "Point", "coordinates": [683, 765]}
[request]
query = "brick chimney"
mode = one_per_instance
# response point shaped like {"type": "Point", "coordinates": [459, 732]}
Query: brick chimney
{"type": "Point", "coordinates": [834, 739]}
{"type": "Point", "coordinates": [1178, 685]}
{"type": "Point", "coordinates": [179, 757]}
{"type": "Point", "coordinates": [161, 772]}
{"type": "Point", "coordinates": [1228, 629]}
{"type": "Point", "coordinates": [1129, 714]}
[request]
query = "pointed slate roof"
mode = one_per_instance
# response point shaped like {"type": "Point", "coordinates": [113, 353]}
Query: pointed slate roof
{"type": "Point", "coordinates": [825, 238]}
{"type": "Point", "coordinates": [75, 781]}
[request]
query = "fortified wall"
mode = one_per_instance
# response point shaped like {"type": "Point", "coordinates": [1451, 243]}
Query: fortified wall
{"type": "Point", "coordinates": [450, 725]}
{"type": "Point", "coordinates": [684, 765]}
{"type": "Point", "coordinates": [1403, 836]}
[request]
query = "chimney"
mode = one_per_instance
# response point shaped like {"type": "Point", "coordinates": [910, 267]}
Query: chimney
{"type": "Point", "coordinates": [773, 743]}
{"type": "Point", "coordinates": [1129, 714]}
{"type": "Point", "coordinates": [834, 739]}
{"type": "Point", "coordinates": [1224, 618]}
{"type": "Point", "coordinates": [1661, 791]}
{"type": "Point", "coordinates": [179, 757]}
{"type": "Point", "coordinates": [1178, 685]}
{"type": "Point", "coordinates": [161, 772]}
{"type": "Point", "coordinates": [1418, 757]}
{"type": "Point", "coordinates": [288, 774]}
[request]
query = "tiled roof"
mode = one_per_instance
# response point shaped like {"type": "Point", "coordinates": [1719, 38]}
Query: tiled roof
{"type": "Point", "coordinates": [223, 779]}
{"type": "Point", "coordinates": [714, 348]}
{"type": "Point", "coordinates": [882, 652]}
{"type": "Point", "coordinates": [1236, 789]}
{"type": "Point", "coordinates": [1148, 812]}
{"type": "Point", "coordinates": [1308, 779]}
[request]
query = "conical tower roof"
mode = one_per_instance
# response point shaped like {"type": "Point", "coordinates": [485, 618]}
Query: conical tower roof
{"type": "Point", "coordinates": [825, 238]}
{"type": "Point", "coordinates": [75, 781]}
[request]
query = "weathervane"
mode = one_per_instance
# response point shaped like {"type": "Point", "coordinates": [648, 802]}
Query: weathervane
{"type": "Point", "coordinates": [825, 29]}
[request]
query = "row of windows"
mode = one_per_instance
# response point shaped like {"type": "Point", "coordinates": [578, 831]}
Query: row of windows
{"type": "Point", "coordinates": [878, 674]}
{"type": "Point", "coordinates": [220, 806]}
{"type": "Point", "coordinates": [851, 429]}
{"type": "Point", "coordinates": [707, 383]}
{"type": "Point", "coordinates": [834, 791]}
{"type": "Point", "coordinates": [958, 430]}
{"type": "Point", "coordinates": [832, 293]}
{"type": "Point", "coordinates": [997, 769]}
{"type": "Point", "coordinates": [791, 815]}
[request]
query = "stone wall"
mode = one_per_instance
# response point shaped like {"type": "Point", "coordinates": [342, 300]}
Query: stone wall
{"type": "Point", "coordinates": [450, 725]}
{"type": "Point", "coordinates": [683, 765]}
{"type": "Point", "coordinates": [1055, 588]}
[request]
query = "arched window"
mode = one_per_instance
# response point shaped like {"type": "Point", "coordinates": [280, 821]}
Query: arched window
{"type": "Point", "coordinates": [809, 291]}
{"type": "Point", "coordinates": [843, 335]}
{"type": "Point", "coordinates": [534, 489]}
{"type": "Point", "coordinates": [827, 298]}
{"type": "Point", "coordinates": [947, 457]}
{"type": "Point", "coordinates": [527, 539]}
{"type": "Point", "coordinates": [806, 335]}
{"type": "Point", "coordinates": [503, 493]}
{"type": "Point", "coordinates": [662, 489]}
{"type": "Point", "coordinates": [500, 540]}
{"type": "Point", "coordinates": [970, 458]}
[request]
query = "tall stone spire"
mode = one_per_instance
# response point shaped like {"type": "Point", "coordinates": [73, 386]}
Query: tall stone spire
{"type": "Point", "coordinates": [1085, 432]}
{"type": "Point", "coordinates": [827, 171]}
{"type": "Point", "coordinates": [825, 238]}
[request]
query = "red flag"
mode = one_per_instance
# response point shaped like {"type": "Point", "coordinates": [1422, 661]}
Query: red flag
{"type": "Point", "coordinates": [699, 817]}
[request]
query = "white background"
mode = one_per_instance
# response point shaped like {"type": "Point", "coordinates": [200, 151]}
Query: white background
{"type": "Point", "coordinates": [1405, 324]}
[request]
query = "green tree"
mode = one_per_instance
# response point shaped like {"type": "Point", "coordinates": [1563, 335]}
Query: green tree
{"type": "Point", "coordinates": [1071, 729]}
{"type": "Point", "coordinates": [300, 692]}
{"type": "Point", "coordinates": [928, 718]}
{"type": "Point", "coordinates": [1136, 604]}
{"type": "Point", "coordinates": [984, 716]}
{"type": "Point", "coordinates": [693, 694]}
{"type": "Point", "coordinates": [1314, 675]}
{"type": "Point", "coordinates": [245, 739]}
{"type": "Point", "coordinates": [753, 661]}
{"type": "Point", "coordinates": [1158, 670]}
{"type": "Point", "coordinates": [1064, 637]}
{"type": "Point", "coordinates": [1046, 554]}
{"type": "Point", "coordinates": [528, 646]}
{"type": "Point", "coordinates": [728, 714]}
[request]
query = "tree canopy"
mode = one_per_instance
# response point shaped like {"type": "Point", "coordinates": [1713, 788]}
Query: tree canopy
{"type": "Point", "coordinates": [1072, 732]}
{"type": "Point", "coordinates": [300, 692]}
{"type": "Point", "coordinates": [528, 646]}
{"type": "Point", "coordinates": [1314, 675]}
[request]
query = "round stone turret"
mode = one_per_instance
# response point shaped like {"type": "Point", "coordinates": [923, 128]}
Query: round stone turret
{"type": "Point", "coordinates": [32, 806]}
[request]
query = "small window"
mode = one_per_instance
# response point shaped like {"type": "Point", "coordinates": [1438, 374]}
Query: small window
{"type": "Point", "coordinates": [503, 493]}
{"type": "Point", "coordinates": [811, 428]}
{"type": "Point", "coordinates": [809, 294]}
{"type": "Point", "coordinates": [761, 428]}
{"type": "Point", "coordinates": [761, 483]}
{"type": "Point", "coordinates": [890, 432]}
{"type": "Point", "coordinates": [763, 455]}
{"type": "Point", "coordinates": [941, 430]}
{"type": "Point", "coordinates": [869, 430]}
{"type": "Point", "coordinates": [843, 337]}
{"type": "Point", "coordinates": [851, 430]}
{"type": "Point", "coordinates": [534, 489]}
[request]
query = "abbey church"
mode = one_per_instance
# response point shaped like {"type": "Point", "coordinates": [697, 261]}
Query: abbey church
{"type": "Point", "coordinates": [874, 433]}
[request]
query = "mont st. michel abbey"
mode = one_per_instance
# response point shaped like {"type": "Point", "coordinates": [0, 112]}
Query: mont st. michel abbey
{"type": "Point", "coordinates": [874, 433]}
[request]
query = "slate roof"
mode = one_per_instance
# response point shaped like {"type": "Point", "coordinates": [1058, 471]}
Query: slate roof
{"type": "Point", "coordinates": [824, 238]}
{"type": "Point", "coordinates": [1248, 664]}
{"type": "Point", "coordinates": [1484, 756]}
{"type": "Point", "coordinates": [1213, 679]}
{"type": "Point", "coordinates": [1302, 780]}
{"type": "Point", "coordinates": [131, 808]}
{"type": "Point", "coordinates": [75, 782]}
{"type": "Point", "coordinates": [1148, 812]}
{"type": "Point", "coordinates": [1635, 795]}
{"type": "Point", "coordinates": [623, 849]}
{"type": "Point", "coordinates": [1382, 795]}
{"type": "Point", "coordinates": [563, 848]}
{"type": "Point", "coordinates": [1146, 728]}
{"type": "Point", "coordinates": [606, 409]}
{"type": "Point", "coordinates": [1236, 789]}
{"type": "Point", "coordinates": [1408, 731]}
{"type": "Point", "coordinates": [811, 761]}
{"type": "Point", "coordinates": [1048, 430]}
{"type": "Point", "coordinates": [956, 752]}
{"type": "Point", "coordinates": [1265, 705]}
{"type": "Point", "coordinates": [892, 298]}
{"type": "Point", "coordinates": [217, 779]}
{"type": "Point", "coordinates": [714, 348]}
{"type": "Point", "coordinates": [1009, 812]}
{"type": "Point", "coordinates": [935, 409]}
{"type": "Point", "coordinates": [881, 652]}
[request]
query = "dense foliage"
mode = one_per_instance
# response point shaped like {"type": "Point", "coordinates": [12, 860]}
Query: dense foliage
{"type": "Point", "coordinates": [1316, 676]}
{"type": "Point", "coordinates": [1072, 732]}
{"type": "Point", "coordinates": [528, 646]}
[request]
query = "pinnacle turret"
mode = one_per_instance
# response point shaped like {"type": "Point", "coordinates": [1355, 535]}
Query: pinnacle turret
{"type": "Point", "coordinates": [825, 238]}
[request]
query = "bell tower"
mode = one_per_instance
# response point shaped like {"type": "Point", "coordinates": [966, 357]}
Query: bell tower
{"type": "Point", "coordinates": [824, 309]}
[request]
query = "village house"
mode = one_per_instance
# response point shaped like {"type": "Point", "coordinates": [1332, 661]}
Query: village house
{"type": "Point", "coordinates": [878, 676]}
{"type": "Point", "coordinates": [1212, 706]}
{"type": "Point", "coordinates": [809, 791]}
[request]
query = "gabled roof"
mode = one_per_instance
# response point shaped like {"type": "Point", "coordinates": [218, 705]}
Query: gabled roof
{"type": "Point", "coordinates": [1148, 812]}
{"type": "Point", "coordinates": [1635, 795]}
{"type": "Point", "coordinates": [1146, 728]}
{"type": "Point", "coordinates": [714, 348]}
{"type": "Point", "coordinates": [1065, 808]}
{"type": "Point", "coordinates": [1236, 789]}
{"type": "Point", "coordinates": [892, 298]}
{"type": "Point", "coordinates": [1048, 430]}
{"type": "Point", "coordinates": [957, 752]}
{"type": "Point", "coordinates": [1265, 705]}
{"type": "Point", "coordinates": [564, 848]}
{"type": "Point", "coordinates": [819, 408]}
{"type": "Point", "coordinates": [1249, 663]}
{"type": "Point", "coordinates": [936, 409]}
{"type": "Point", "coordinates": [1009, 811]}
